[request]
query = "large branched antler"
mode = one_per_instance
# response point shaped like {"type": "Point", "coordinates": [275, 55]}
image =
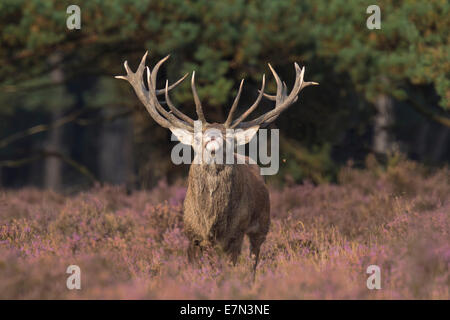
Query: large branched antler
{"type": "Point", "coordinates": [149, 98]}
{"type": "Point", "coordinates": [177, 119]}
{"type": "Point", "coordinates": [282, 101]}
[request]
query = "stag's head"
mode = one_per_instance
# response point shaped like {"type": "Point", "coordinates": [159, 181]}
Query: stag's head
{"type": "Point", "coordinates": [204, 137]}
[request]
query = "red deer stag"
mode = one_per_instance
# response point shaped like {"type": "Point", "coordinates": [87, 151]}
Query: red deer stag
{"type": "Point", "coordinates": [224, 202]}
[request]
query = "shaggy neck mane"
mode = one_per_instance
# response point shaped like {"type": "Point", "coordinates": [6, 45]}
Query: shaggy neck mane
{"type": "Point", "coordinates": [214, 188]}
{"type": "Point", "coordinates": [212, 178]}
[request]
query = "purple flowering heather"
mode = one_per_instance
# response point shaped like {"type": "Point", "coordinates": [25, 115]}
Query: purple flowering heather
{"type": "Point", "coordinates": [321, 241]}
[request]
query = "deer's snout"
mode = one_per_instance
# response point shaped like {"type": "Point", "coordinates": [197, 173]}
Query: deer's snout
{"type": "Point", "coordinates": [213, 145]}
{"type": "Point", "coordinates": [212, 141]}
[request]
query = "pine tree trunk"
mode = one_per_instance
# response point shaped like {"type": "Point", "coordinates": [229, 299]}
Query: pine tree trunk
{"type": "Point", "coordinates": [53, 165]}
{"type": "Point", "coordinates": [382, 139]}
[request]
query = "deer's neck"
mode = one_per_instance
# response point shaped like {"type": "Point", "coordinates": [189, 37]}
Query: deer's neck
{"type": "Point", "coordinates": [212, 193]}
{"type": "Point", "coordinates": [212, 181]}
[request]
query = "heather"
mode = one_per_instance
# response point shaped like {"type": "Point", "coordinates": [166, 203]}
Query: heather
{"type": "Point", "coordinates": [321, 241]}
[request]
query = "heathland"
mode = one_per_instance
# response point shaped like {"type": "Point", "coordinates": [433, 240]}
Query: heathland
{"type": "Point", "coordinates": [322, 239]}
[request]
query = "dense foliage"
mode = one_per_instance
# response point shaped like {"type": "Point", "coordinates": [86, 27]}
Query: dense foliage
{"type": "Point", "coordinates": [224, 41]}
{"type": "Point", "coordinates": [234, 38]}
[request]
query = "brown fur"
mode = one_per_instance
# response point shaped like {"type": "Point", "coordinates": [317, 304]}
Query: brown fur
{"type": "Point", "coordinates": [223, 203]}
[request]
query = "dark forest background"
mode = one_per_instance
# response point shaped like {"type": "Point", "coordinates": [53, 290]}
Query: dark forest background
{"type": "Point", "coordinates": [66, 123]}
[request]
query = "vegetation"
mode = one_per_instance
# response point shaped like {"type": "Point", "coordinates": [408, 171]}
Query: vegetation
{"type": "Point", "coordinates": [86, 176]}
{"type": "Point", "coordinates": [322, 240]}
{"type": "Point", "coordinates": [49, 72]}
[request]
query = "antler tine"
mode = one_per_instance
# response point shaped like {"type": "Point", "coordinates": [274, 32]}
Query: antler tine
{"type": "Point", "coordinates": [130, 74]}
{"type": "Point", "coordinates": [284, 91]}
{"type": "Point", "coordinates": [177, 112]}
{"type": "Point", "coordinates": [253, 107]}
{"type": "Point", "coordinates": [269, 96]}
{"type": "Point", "coordinates": [159, 91]}
{"type": "Point", "coordinates": [150, 82]}
{"type": "Point", "coordinates": [281, 88]}
{"type": "Point", "coordinates": [155, 70]}
{"type": "Point", "coordinates": [173, 85]}
{"type": "Point", "coordinates": [149, 97]}
{"type": "Point", "coordinates": [169, 119]}
{"type": "Point", "coordinates": [279, 84]}
{"type": "Point", "coordinates": [282, 100]}
{"type": "Point", "coordinates": [135, 79]}
{"type": "Point", "coordinates": [198, 104]}
{"type": "Point", "coordinates": [310, 83]}
{"type": "Point", "coordinates": [234, 106]}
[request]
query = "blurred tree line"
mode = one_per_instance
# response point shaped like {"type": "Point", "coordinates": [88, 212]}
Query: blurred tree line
{"type": "Point", "coordinates": [66, 122]}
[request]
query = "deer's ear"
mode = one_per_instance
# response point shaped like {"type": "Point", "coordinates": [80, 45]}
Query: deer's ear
{"type": "Point", "coordinates": [244, 136]}
{"type": "Point", "coordinates": [184, 136]}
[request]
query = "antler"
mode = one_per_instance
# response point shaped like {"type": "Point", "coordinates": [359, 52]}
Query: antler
{"type": "Point", "coordinates": [177, 119]}
{"type": "Point", "coordinates": [282, 100]}
{"type": "Point", "coordinates": [198, 104]}
{"type": "Point", "coordinates": [234, 106]}
{"type": "Point", "coordinates": [149, 97]}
